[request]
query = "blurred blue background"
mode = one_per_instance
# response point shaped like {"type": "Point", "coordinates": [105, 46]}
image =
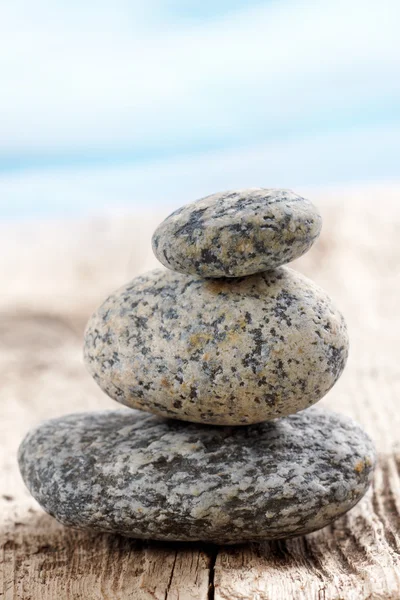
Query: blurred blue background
{"type": "Point", "coordinates": [107, 104]}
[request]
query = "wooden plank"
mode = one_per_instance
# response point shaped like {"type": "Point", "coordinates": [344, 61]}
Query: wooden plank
{"type": "Point", "coordinates": [42, 559]}
{"type": "Point", "coordinates": [49, 293]}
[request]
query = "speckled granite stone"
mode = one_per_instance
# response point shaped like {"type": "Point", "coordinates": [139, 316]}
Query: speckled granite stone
{"type": "Point", "coordinates": [237, 233]}
{"type": "Point", "coordinates": [226, 351]}
{"type": "Point", "coordinates": [141, 476]}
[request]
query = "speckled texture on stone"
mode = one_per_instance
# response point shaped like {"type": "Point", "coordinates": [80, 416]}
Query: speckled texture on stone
{"type": "Point", "coordinates": [226, 351]}
{"type": "Point", "coordinates": [141, 476]}
{"type": "Point", "coordinates": [236, 233]}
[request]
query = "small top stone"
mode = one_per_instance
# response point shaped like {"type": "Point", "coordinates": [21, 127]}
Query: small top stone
{"type": "Point", "coordinates": [237, 233]}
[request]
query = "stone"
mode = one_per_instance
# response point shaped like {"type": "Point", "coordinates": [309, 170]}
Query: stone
{"type": "Point", "coordinates": [237, 233]}
{"type": "Point", "coordinates": [225, 352]}
{"type": "Point", "coordinates": [141, 476]}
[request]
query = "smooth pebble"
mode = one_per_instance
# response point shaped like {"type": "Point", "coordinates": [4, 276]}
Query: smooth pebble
{"type": "Point", "coordinates": [236, 233]}
{"type": "Point", "coordinates": [145, 477]}
{"type": "Point", "coordinates": [227, 352]}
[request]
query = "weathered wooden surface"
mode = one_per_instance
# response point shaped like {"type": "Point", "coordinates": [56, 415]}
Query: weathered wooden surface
{"type": "Point", "coordinates": [53, 277]}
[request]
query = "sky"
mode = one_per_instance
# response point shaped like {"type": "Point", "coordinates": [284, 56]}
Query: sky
{"type": "Point", "coordinates": [140, 103]}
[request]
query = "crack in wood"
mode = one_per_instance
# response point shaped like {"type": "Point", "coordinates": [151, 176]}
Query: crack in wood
{"type": "Point", "coordinates": [171, 577]}
{"type": "Point", "coordinates": [211, 574]}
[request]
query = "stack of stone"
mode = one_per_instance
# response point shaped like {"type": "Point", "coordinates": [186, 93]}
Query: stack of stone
{"type": "Point", "coordinates": [225, 347]}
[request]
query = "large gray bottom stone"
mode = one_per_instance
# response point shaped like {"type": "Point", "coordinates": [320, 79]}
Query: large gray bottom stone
{"type": "Point", "coordinates": [145, 477]}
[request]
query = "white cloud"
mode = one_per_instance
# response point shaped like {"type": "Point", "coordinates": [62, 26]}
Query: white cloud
{"type": "Point", "coordinates": [128, 75]}
{"type": "Point", "coordinates": [296, 164]}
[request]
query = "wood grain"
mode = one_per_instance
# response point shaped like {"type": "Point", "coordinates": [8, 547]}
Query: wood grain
{"type": "Point", "coordinates": [53, 276]}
